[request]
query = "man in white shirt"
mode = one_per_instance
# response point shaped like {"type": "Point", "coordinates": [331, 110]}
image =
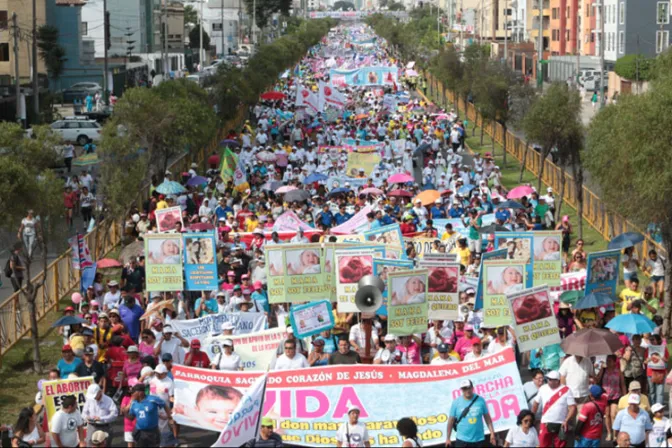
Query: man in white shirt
{"type": "Point", "coordinates": [67, 426]}
{"type": "Point", "coordinates": [299, 238]}
{"type": "Point", "coordinates": [420, 211]}
{"type": "Point", "coordinates": [352, 433]}
{"type": "Point", "coordinates": [358, 335]}
{"type": "Point", "coordinates": [290, 359]}
{"type": "Point", "coordinates": [576, 373]}
{"type": "Point", "coordinates": [173, 343]}
{"type": "Point", "coordinates": [550, 200]}
{"type": "Point", "coordinates": [558, 408]}
{"type": "Point", "coordinates": [476, 352]}
{"type": "Point", "coordinates": [99, 413]}
{"type": "Point", "coordinates": [395, 357]}
{"type": "Point", "coordinates": [112, 297]}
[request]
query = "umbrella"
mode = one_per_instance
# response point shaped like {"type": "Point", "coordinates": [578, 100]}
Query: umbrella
{"type": "Point", "coordinates": [371, 190]}
{"type": "Point", "coordinates": [591, 342]}
{"type": "Point", "coordinates": [593, 300]}
{"type": "Point", "coordinates": [135, 249]}
{"type": "Point", "coordinates": [271, 185]}
{"type": "Point", "coordinates": [86, 160]}
{"type": "Point", "coordinates": [201, 226]}
{"type": "Point", "coordinates": [339, 190]}
{"type": "Point", "coordinates": [399, 178]}
{"type": "Point", "coordinates": [627, 239]}
{"type": "Point", "coordinates": [466, 189]}
{"type": "Point", "coordinates": [511, 204]}
{"type": "Point", "coordinates": [108, 263]}
{"type": "Point", "coordinates": [631, 324]}
{"type": "Point", "coordinates": [570, 297]}
{"type": "Point", "coordinates": [285, 189]}
{"type": "Point", "coordinates": [492, 228]}
{"type": "Point", "coordinates": [361, 116]}
{"type": "Point", "coordinates": [196, 181]}
{"type": "Point", "coordinates": [297, 196]}
{"type": "Point", "coordinates": [519, 192]}
{"type": "Point", "coordinates": [68, 320]}
{"type": "Point", "coordinates": [170, 187]}
{"type": "Point", "coordinates": [229, 142]}
{"type": "Point", "coordinates": [282, 160]}
{"type": "Point", "coordinates": [411, 72]}
{"type": "Point", "coordinates": [400, 193]}
{"type": "Point", "coordinates": [422, 148]}
{"type": "Point", "coordinates": [427, 197]}
{"type": "Point", "coordinates": [315, 177]}
{"type": "Point", "coordinates": [267, 156]}
{"type": "Point", "coordinates": [155, 310]}
{"type": "Point", "coordinates": [273, 96]}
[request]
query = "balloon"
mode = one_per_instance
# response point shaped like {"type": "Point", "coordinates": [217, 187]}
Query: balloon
{"type": "Point", "coordinates": [136, 218]}
{"type": "Point", "coordinates": [76, 298]}
{"type": "Point", "coordinates": [39, 384]}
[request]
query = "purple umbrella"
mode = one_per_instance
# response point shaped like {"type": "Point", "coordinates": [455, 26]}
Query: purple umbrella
{"type": "Point", "coordinates": [196, 181]}
{"type": "Point", "coordinates": [229, 142]}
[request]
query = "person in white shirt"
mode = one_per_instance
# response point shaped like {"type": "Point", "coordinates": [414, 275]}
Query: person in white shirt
{"type": "Point", "coordinates": [299, 238]}
{"type": "Point", "coordinates": [395, 357]}
{"type": "Point", "coordinates": [420, 211]}
{"type": "Point", "coordinates": [357, 335]}
{"type": "Point", "coordinates": [112, 296]}
{"type": "Point", "coordinates": [576, 372]}
{"type": "Point", "coordinates": [475, 353]}
{"type": "Point", "coordinates": [290, 359]}
{"type": "Point", "coordinates": [99, 412]}
{"type": "Point", "coordinates": [444, 356]}
{"type": "Point", "coordinates": [557, 408]}
{"type": "Point", "coordinates": [501, 342]}
{"type": "Point", "coordinates": [173, 343]}
{"type": "Point", "coordinates": [227, 358]}
{"type": "Point", "coordinates": [353, 433]}
{"type": "Point", "coordinates": [524, 435]}
{"type": "Point", "coordinates": [67, 425]}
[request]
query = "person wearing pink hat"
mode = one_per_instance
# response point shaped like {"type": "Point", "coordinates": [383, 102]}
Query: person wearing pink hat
{"type": "Point", "coordinates": [465, 343]}
{"type": "Point", "coordinates": [260, 298]}
{"type": "Point", "coordinates": [230, 282]}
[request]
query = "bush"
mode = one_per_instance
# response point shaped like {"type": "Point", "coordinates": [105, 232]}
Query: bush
{"type": "Point", "coordinates": [634, 67]}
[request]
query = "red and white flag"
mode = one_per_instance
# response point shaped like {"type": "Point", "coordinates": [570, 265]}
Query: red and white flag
{"type": "Point", "coordinates": [306, 98]}
{"type": "Point", "coordinates": [330, 96]}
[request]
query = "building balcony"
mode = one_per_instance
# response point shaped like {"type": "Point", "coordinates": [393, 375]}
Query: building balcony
{"type": "Point", "coordinates": [534, 33]}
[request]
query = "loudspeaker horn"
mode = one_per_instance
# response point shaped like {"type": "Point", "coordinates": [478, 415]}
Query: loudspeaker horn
{"type": "Point", "coordinates": [369, 295]}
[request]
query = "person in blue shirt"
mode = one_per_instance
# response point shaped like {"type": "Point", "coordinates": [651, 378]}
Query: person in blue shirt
{"type": "Point", "coordinates": [144, 409]}
{"type": "Point", "coordinates": [466, 418]}
{"type": "Point", "coordinates": [437, 211]}
{"type": "Point", "coordinates": [634, 421]}
{"type": "Point", "coordinates": [330, 341]}
{"type": "Point", "coordinates": [130, 313]}
{"type": "Point", "coordinates": [456, 210]}
{"type": "Point", "coordinates": [68, 363]}
{"type": "Point", "coordinates": [384, 219]}
{"type": "Point", "coordinates": [342, 216]}
{"type": "Point", "coordinates": [373, 223]}
{"type": "Point", "coordinates": [221, 210]}
{"type": "Point", "coordinates": [205, 305]}
{"type": "Point", "coordinates": [260, 297]}
{"type": "Point", "coordinates": [325, 217]}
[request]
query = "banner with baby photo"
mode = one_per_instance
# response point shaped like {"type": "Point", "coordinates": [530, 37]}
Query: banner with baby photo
{"type": "Point", "coordinates": [602, 272]}
{"type": "Point", "coordinates": [164, 262]}
{"type": "Point", "coordinates": [381, 268]}
{"type": "Point", "coordinates": [303, 270]}
{"type": "Point", "coordinates": [533, 318]}
{"type": "Point", "coordinates": [275, 273]}
{"type": "Point", "coordinates": [547, 265]}
{"type": "Point", "coordinates": [500, 277]}
{"type": "Point", "coordinates": [519, 247]}
{"type": "Point", "coordinates": [200, 261]}
{"type": "Point", "coordinates": [423, 246]}
{"type": "Point", "coordinates": [387, 235]}
{"type": "Point", "coordinates": [311, 318]}
{"type": "Point", "coordinates": [168, 218]}
{"type": "Point", "coordinates": [351, 265]}
{"type": "Point", "coordinates": [366, 161]}
{"type": "Point", "coordinates": [499, 254]}
{"type": "Point", "coordinates": [407, 304]}
{"type": "Point", "coordinates": [442, 289]}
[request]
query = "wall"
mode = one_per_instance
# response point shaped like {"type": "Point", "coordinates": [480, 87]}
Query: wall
{"type": "Point", "coordinates": [24, 12]}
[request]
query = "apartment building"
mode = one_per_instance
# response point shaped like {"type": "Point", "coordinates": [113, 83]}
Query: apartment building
{"type": "Point", "coordinates": [24, 13]}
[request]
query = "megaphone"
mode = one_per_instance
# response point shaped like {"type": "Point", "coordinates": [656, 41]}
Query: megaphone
{"type": "Point", "coordinates": [464, 310]}
{"type": "Point", "coordinates": [369, 295]}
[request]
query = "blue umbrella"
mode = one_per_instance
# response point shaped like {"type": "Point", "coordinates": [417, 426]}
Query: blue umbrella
{"type": "Point", "coordinates": [196, 181]}
{"type": "Point", "coordinates": [631, 324]}
{"type": "Point", "coordinates": [229, 142]}
{"type": "Point", "coordinates": [421, 148]}
{"type": "Point", "coordinates": [627, 239]}
{"type": "Point", "coordinates": [593, 300]}
{"type": "Point", "coordinates": [339, 190]}
{"type": "Point", "coordinates": [466, 189]}
{"type": "Point", "coordinates": [511, 204]}
{"type": "Point", "coordinates": [315, 177]}
{"type": "Point", "coordinates": [68, 320]}
{"type": "Point", "coordinates": [170, 187]}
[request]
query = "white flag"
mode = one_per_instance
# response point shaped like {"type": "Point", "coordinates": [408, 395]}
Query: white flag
{"type": "Point", "coordinates": [306, 98]}
{"type": "Point", "coordinates": [330, 96]}
{"type": "Point", "coordinates": [244, 422]}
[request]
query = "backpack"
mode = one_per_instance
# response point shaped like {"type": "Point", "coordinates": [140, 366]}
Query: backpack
{"type": "Point", "coordinates": [8, 268]}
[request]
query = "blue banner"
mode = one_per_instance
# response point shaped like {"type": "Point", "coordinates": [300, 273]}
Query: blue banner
{"type": "Point", "coordinates": [364, 76]}
{"type": "Point", "coordinates": [200, 261]}
{"type": "Point", "coordinates": [311, 318]}
{"type": "Point", "coordinates": [382, 267]}
{"type": "Point", "coordinates": [499, 254]}
{"type": "Point", "coordinates": [520, 247]}
{"type": "Point", "coordinates": [602, 272]}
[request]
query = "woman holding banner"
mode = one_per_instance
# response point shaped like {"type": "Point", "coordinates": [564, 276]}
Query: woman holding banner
{"type": "Point", "coordinates": [227, 359]}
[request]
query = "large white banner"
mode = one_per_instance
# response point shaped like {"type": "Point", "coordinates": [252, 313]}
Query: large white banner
{"type": "Point", "coordinates": [204, 327]}
{"type": "Point", "coordinates": [256, 350]}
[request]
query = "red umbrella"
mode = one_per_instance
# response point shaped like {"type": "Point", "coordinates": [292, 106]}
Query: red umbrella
{"type": "Point", "coordinates": [273, 96]}
{"type": "Point", "coordinates": [107, 263]}
{"type": "Point", "coordinates": [400, 193]}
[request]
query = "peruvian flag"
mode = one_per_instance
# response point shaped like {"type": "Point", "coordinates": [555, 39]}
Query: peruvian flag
{"type": "Point", "coordinates": [331, 96]}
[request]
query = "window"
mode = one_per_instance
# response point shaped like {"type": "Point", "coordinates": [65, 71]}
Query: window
{"type": "Point", "coordinates": [663, 13]}
{"type": "Point", "coordinates": [621, 42]}
{"type": "Point", "coordinates": [662, 41]}
{"type": "Point", "coordinates": [85, 28]}
{"type": "Point", "coordinates": [216, 27]}
{"type": "Point", "coordinates": [621, 13]}
{"type": "Point", "coordinates": [3, 18]}
{"type": "Point", "coordinates": [4, 52]}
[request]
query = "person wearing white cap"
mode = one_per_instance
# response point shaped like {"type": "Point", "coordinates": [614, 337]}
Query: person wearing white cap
{"type": "Point", "coordinates": [112, 296]}
{"type": "Point", "coordinates": [420, 210]}
{"type": "Point", "coordinates": [353, 433]}
{"type": "Point", "coordinates": [171, 342]}
{"type": "Point", "coordinates": [558, 409]}
{"type": "Point", "coordinates": [99, 413]}
{"type": "Point", "coordinates": [227, 359]}
{"type": "Point", "coordinates": [661, 424]}
{"type": "Point", "coordinates": [634, 421]}
{"type": "Point", "coordinates": [389, 354]}
{"type": "Point", "coordinates": [466, 417]}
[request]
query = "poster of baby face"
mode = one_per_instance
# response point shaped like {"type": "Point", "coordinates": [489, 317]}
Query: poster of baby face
{"type": "Point", "coordinates": [442, 288]}
{"type": "Point", "coordinates": [533, 318]}
{"type": "Point", "coordinates": [351, 266]}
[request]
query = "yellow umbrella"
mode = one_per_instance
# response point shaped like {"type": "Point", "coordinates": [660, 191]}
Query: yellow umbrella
{"type": "Point", "coordinates": [427, 197]}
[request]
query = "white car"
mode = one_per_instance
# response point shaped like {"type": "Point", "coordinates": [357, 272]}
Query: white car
{"type": "Point", "coordinates": [80, 130]}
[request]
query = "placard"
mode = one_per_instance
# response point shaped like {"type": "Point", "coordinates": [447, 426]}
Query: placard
{"type": "Point", "coordinates": [602, 272]}
{"type": "Point", "coordinates": [407, 302]}
{"type": "Point", "coordinates": [311, 318]}
{"type": "Point", "coordinates": [303, 268]}
{"type": "Point", "coordinates": [256, 350]}
{"type": "Point", "coordinates": [442, 289]}
{"type": "Point", "coordinates": [423, 245]}
{"type": "Point", "coordinates": [275, 273]}
{"type": "Point", "coordinates": [351, 265]}
{"type": "Point", "coordinates": [387, 235]}
{"type": "Point", "coordinates": [499, 254]}
{"type": "Point", "coordinates": [381, 268]}
{"type": "Point", "coordinates": [167, 219]}
{"type": "Point", "coordinates": [519, 247]}
{"type": "Point", "coordinates": [200, 261]}
{"type": "Point", "coordinates": [547, 265]}
{"type": "Point", "coordinates": [533, 318]}
{"type": "Point", "coordinates": [500, 277]}
{"type": "Point", "coordinates": [164, 262]}
{"type": "Point", "coordinates": [53, 393]}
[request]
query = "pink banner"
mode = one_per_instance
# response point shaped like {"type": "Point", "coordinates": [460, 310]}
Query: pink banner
{"type": "Point", "coordinates": [288, 221]}
{"type": "Point", "coordinates": [353, 225]}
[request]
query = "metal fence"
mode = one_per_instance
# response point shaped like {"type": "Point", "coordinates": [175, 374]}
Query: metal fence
{"type": "Point", "coordinates": [62, 278]}
{"type": "Point", "coordinates": [595, 212]}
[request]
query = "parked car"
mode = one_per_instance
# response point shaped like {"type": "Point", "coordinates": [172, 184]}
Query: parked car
{"type": "Point", "coordinates": [80, 90]}
{"type": "Point", "coordinates": [80, 130]}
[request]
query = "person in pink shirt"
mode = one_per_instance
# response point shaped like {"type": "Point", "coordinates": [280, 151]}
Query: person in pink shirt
{"type": "Point", "coordinates": [408, 345]}
{"type": "Point", "coordinates": [148, 340]}
{"type": "Point", "coordinates": [129, 425]}
{"type": "Point", "coordinates": [463, 345]}
{"type": "Point", "coordinates": [230, 281]}
{"type": "Point", "coordinates": [132, 364]}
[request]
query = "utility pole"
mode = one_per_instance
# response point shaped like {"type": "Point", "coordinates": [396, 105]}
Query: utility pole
{"type": "Point", "coordinates": [17, 80]}
{"type": "Point", "coordinates": [480, 24]}
{"type": "Point", "coordinates": [164, 42]}
{"type": "Point", "coordinates": [221, 17]}
{"type": "Point", "coordinates": [601, 53]}
{"type": "Point", "coordinates": [36, 86]}
{"type": "Point", "coordinates": [506, 33]}
{"type": "Point", "coordinates": [106, 45]}
{"type": "Point", "coordinates": [254, 20]}
{"type": "Point", "coordinates": [200, 43]}
{"type": "Point", "coordinates": [540, 50]}
{"type": "Point", "coordinates": [578, 46]}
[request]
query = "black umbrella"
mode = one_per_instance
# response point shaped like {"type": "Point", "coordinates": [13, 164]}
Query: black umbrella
{"type": "Point", "coordinates": [492, 228]}
{"type": "Point", "coordinates": [68, 320]}
{"type": "Point", "coordinates": [511, 204]}
{"type": "Point", "coordinates": [297, 196]}
{"type": "Point", "coordinates": [591, 342]}
{"type": "Point", "coordinates": [422, 148]}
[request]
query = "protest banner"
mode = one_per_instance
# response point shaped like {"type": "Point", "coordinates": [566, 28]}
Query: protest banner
{"type": "Point", "coordinates": [164, 262]}
{"type": "Point", "coordinates": [275, 273]}
{"type": "Point", "coordinates": [53, 393]}
{"type": "Point", "coordinates": [289, 222]}
{"type": "Point", "coordinates": [442, 289]}
{"type": "Point", "coordinates": [364, 76]}
{"type": "Point", "coordinates": [243, 424]}
{"type": "Point", "coordinates": [547, 265]}
{"type": "Point", "coordinates": [500, 277]}
{"type": "Point", "coordinates": [387, 235]}
{"type": "Point", "coordinates": [311, 318]}
{"type": "Point", "coordinates": [602, 272]}
{"type": "Point", "coordinates": [350, 265]}
{"type": "Point", "coordinates": [381, 268]}
{"type": "Point", "coordinates": [200, 261]}
{"type": "Point", "coordinates": [167, 219]}
{"type": "Point", "coordinates": [340, 181]}
{"type": "Point", "coordinates": [203, 327]}
{"type": "Point", "coordinates": [309, 405]}
{"type": "Point", "coordinates": [533, 318]}
{"type": "Point", "coordinates": [458, 226]}
{"type": "Point", "coordinates": [520, 247]}
{"type": "Point", "coordinates": [499, 254]}
{"type": "Point", "coordinates": [423, 246]}
{"type": "Point", "coordinates": [256, 350]}
{"type": "Point", "coordinates": [366, 161]}
{"type": "Point", "coordinates": [358, 223]}
{"type": "Point", "coordinates": [304, 278]}
{"type": "Point", "coordinates": [79, 249]}
{"type": "Point", "coordinates": [407, 302]}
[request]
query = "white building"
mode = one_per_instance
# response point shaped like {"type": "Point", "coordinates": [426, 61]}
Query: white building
{"type": "Point", "coordinates": [220, 19]}
{"type": "Point", "coordinates": [610, 31]}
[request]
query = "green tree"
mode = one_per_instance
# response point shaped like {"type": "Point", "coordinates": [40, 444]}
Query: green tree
{"type": "Point", "coordinates": [448, 68]}
{"type": "Point", "coordinates": [51, 52]}
{"type": "Point", "coordinates": [343, 6]}
{"type": "Point", "coordinates": [396, 6]}
{"type": "Point", "coordinates": [195, 38]}
{"type": "Point", "coordinates": [549, 122]}
{"type": "Point", "coordinates": [476, 58]}
{"type": "Point", "coordinates": [635, 67]}
{"type": "Point", "coordinates": [190, 16]}
{"type": "Point", "coordinates": [491, 93]}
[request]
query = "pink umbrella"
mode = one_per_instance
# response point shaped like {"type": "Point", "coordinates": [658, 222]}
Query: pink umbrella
{"type": "Point", "coordinates": [519, 192]}
{"type": "Point", "coordinates": [411, 72]}
{"type": "Point", "coordinates": [399, 178]}
{"type": "Point", "coordinates": [371, 190]}
{"type": "Point", "coordinates": [107, 263]}
{"type": "Point", "coordinates": [285, 189]}
{"type": "Point", "coordinates": [282, 160]}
